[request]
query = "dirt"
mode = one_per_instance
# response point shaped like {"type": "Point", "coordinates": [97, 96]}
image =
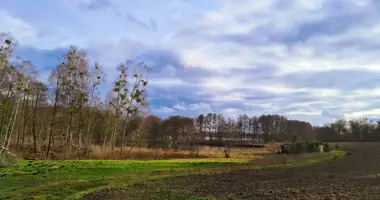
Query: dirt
{"type": "Point", "coordinates": [357, 176]}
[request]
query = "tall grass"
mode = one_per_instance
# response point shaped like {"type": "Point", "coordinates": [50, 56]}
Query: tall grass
{"type": "Point", "coordinates": [98, 152]}
{"type": "Point", "coordinates": [157, 154]}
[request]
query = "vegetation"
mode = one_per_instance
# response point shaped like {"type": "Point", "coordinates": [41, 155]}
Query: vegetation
{"type": "Point", "coordinates": [72, 178]}
{"type": "Point", "coordinates": [352, 130]}
{"type": "Point", "coordinates": [300, 146]}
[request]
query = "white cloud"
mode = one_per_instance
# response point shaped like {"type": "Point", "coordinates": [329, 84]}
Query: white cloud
{"type": "Point", "coordinates": [195, 108]}
{"type": "Point", "coordinates": [167, 83]}
{"type": "Point", "coordinates": [21, 30]}
{"type": "Point", "coordinates": [231, 112]}
{"type": "Point", "coordinates": [361, 114]}
{"type": "Point", "coordinates": [163, 110]}
{"type": "Point", "coordinates": [302, 112]}
{"type": "Point", "coordinates": [235, 43]}
{"type": "Point", "coordinates": [180, 106]}
{"type": "Point", "coordinates": [200, 108]}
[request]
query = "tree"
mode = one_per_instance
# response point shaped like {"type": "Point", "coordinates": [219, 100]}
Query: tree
{"type": "Point", "coordinates": [96, 78]}
{"type": "Point", "coordinates": [130, 97]}
{"type": "Point", "coordinates": [56, 86]}
{"type": "Point", "coordinates": [339, 126]}
{"type": "Point", "coordinates": [7, 44]}
{"type": "Point", "coordinates": [152, 128]}
{"type": "Point", "coordinates": [75, 69]}
{"type": "Point", "coordinates": [18, 71]}
{"type": "Point", "coordinates": [200, 124]}
{"type": "Point", "coordinates": [39, 93]}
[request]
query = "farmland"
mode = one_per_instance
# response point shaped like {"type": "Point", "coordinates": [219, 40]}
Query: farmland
{"type": "Point", "coordinates": [73, 179]}
{"type": "Point", "coordinates": [356, 176]}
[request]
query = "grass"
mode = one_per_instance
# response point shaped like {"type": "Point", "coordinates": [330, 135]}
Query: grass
{"type": "Point", "coordinates": [58, 179]}
{"type": "Point", "coordinates": [72, 178]}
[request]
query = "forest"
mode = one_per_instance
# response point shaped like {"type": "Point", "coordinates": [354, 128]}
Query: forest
{"type": "Point", "coordinates": [67, 114]}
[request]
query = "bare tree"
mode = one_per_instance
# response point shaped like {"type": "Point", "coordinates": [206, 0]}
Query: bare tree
{"type": "Point", "coordinates": [55, 82]}
{"type": "Point", "coordinates": [96, 78]}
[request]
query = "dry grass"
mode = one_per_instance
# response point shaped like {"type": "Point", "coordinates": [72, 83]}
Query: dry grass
{"type": "Point", "coordinates": [96, 152]}
{"type": "Point", "coordinates": [153, 154]}
{"type": "Point", "coordinates": [136, 153]}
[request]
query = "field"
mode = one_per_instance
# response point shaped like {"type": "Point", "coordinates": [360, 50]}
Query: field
{"type": "Point", "coordinates": [92, 179]}
{"type": "Point", "coordinates": [355, 176]}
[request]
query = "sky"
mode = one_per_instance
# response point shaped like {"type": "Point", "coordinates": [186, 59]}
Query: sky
{"type": "Point", "coordinates": [315, 60]}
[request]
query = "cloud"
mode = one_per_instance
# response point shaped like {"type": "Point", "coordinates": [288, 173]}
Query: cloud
{"type": "Point", "coordinates": [315, 60]}
{"type": "Point", "coordinates": [136, 21]}
{"type": "Point", "coordinates": [20, 30]}
{"type": "Point", "coordinates": [153, 24]}
{"type": "Point", "coordinates": [96, 4]}
{"type": "Point", "coordinates": [163, 110]}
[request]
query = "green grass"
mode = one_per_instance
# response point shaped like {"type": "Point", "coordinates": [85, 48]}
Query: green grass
{"type": "Point", "coordinates": [58, 179]}
{"type": "Point", "coordinates": [72, 178]}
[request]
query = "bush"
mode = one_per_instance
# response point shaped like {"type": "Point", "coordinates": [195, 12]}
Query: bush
{"type": "Point", "coordinates": [298, 147]}
{"type": "Point", "coordinates": [326, 147]}
{"type": "Point", "coordinates": [337, 146]}
{"type": "Point", "coordinates": [312, 147]}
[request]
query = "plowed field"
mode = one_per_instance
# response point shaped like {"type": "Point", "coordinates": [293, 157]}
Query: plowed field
{"type": "Point", "coordinates": [356, 176]}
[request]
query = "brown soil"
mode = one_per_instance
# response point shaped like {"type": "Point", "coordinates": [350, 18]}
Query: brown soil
{"type": "Point", "coordinates": [357, 176]}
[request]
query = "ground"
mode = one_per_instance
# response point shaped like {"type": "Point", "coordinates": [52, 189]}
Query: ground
{"type": "Point", "coordinates": [71, 179]}
{"type": "Point", "coordinates": [356, 176]}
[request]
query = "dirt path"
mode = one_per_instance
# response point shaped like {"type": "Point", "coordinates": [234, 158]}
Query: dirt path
{"type": "Point", "coordinates": [355, 177]}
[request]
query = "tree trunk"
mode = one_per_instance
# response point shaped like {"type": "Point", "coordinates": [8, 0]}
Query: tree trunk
{"type": "Point", "coordinates": [107, 130]}
{"type": "Point", "coordinates": [5, 101]}
{"type": "Point", "coordinates": [12, 123]}
{"type": "Point", "coordinates": [123, 136]}
{"type": "Point", "coordinates": [34, 124]}
{"type": "Point", "coordinates": [90, 120]}
{"type": "Point", "coordinates": [80, 129]}
{"type": "Point", "coordinates": [114, 134]}
{"type": "Point", "coordinates": [53, 119]}
{"type": "Point", "coordinates": [19, 125]}
{"type": "Point", "coordinates": [69, 133]}
{"type": "Point", "coordinates": [25, 121]}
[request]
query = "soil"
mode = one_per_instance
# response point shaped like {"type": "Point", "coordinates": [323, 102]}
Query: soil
{"type": "Point", "coordinates": [357, 176]}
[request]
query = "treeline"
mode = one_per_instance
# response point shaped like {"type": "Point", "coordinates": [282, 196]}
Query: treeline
{"type": "Point", "coordinates": [214, 129]}
{"type": "Point", "coordinates": [349, 130]}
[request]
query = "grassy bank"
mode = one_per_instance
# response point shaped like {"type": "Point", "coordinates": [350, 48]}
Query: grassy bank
{"type": "Point", "coordinates": [71, 178]}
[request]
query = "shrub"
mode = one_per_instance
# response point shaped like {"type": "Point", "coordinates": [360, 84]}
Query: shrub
{"type": "Point", "coordinates": [326, 147]}
{"type": "Point", "coordinates": [312, 147]}
{"type": "Point", "coordinates": [337, 146]}
{"type": "Point", "coordinates": [295, 139]}
{"type": "Point", "coordinates": [298, 147]}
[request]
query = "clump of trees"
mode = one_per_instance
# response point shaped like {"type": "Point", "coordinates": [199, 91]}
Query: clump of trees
{"type": "Point", "coordinates": [364, 130]}
{"type": "Point", "coordinates": [66, 114]}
